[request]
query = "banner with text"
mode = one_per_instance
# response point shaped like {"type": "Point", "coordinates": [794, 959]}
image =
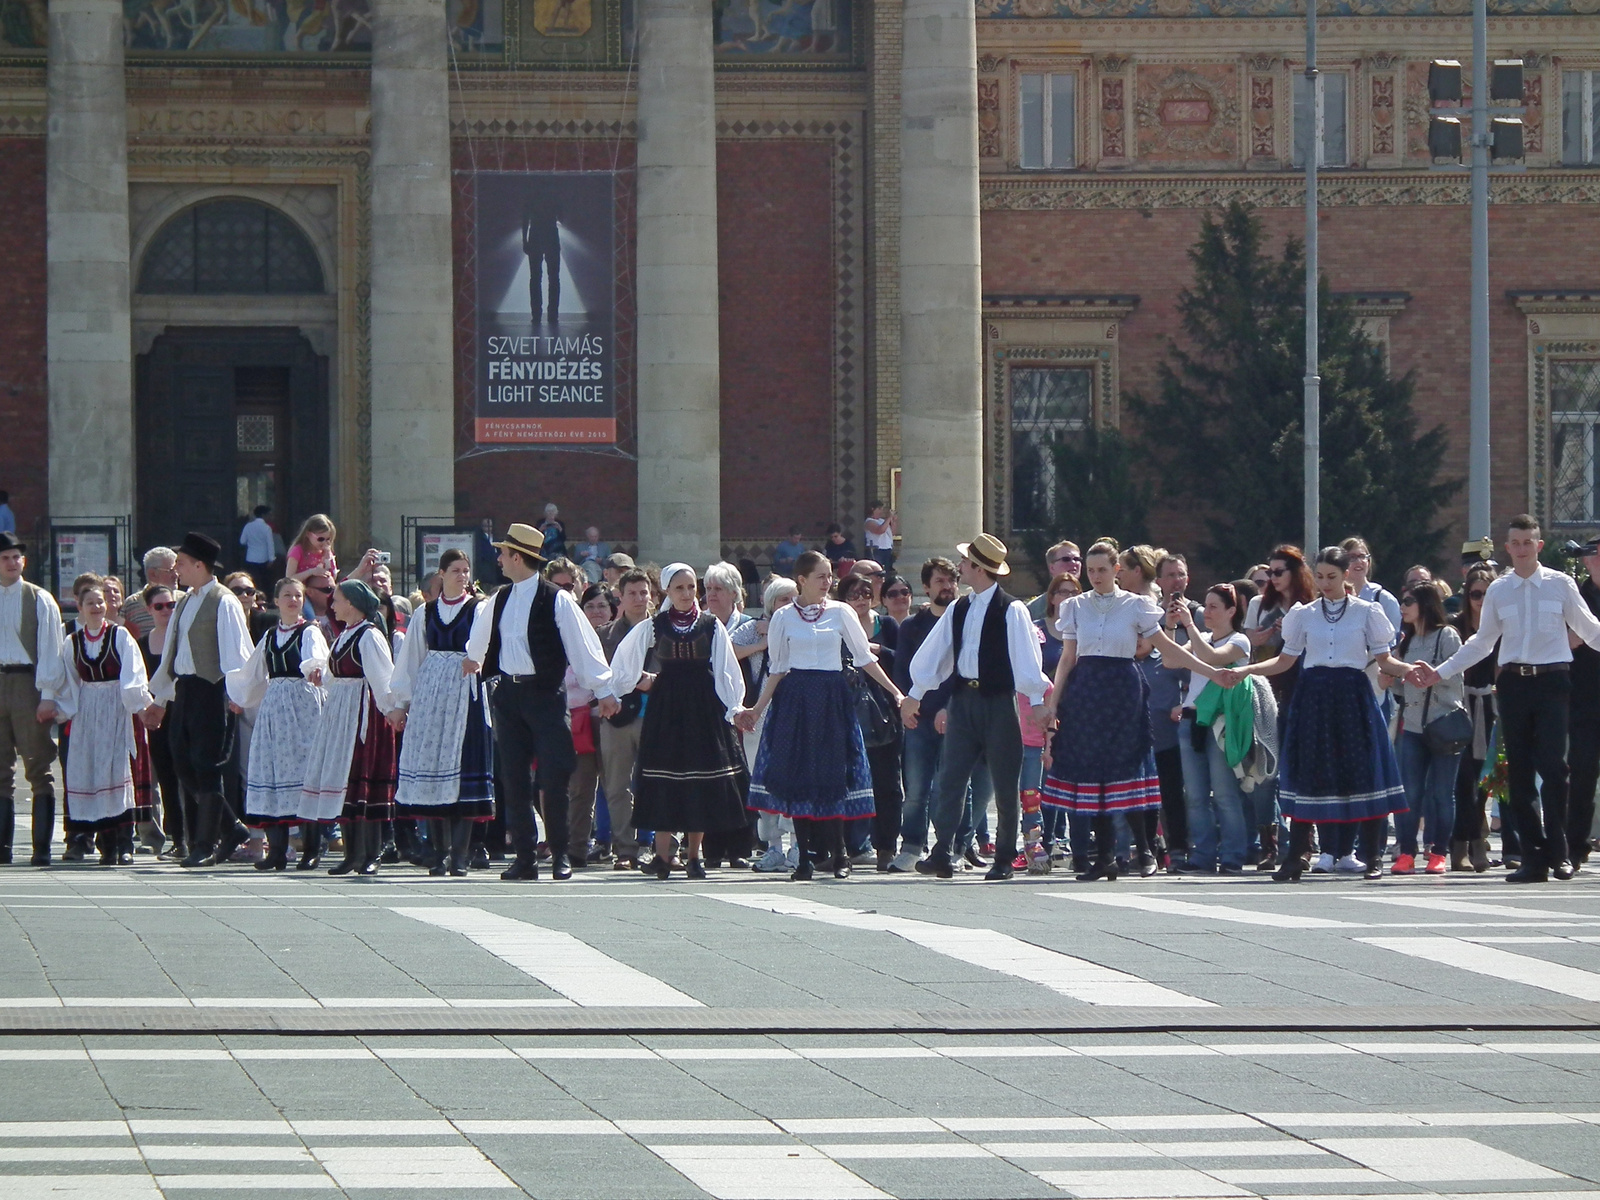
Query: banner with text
{"type": "Point", "coordinates": [545, 298]}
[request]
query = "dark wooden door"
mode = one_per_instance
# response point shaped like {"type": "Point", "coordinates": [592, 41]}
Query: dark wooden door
{"type": "Point", "coordinates": [229, 418]}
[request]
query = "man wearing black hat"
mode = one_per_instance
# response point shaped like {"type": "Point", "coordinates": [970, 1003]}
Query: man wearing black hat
{"type": "Point", "coordinates": [1583, 723]}
{"type": "Point", "coordinates": [522, 643]}
{"type": "Point", "coordinates": [209, 638]}
{"type": "Point", "coordinates": [31, 675]}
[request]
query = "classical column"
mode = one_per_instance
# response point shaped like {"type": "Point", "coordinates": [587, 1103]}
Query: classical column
{"type": "Point", "coordinates": [941, 393]}
{"type": "Point", "coordinates": [89, 341]}
{"type": "Point", "coordinates": [680, 501]}
{"type": "Point", "coordinates": [413, 365]}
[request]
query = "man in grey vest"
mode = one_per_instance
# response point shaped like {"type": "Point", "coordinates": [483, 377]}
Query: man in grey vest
{"type": "Point", "coordinates": [31, 676]}
{"type": "Point", "coordinates": [987, 644]}
{"type": "Point", "coordinates": [208, 638]}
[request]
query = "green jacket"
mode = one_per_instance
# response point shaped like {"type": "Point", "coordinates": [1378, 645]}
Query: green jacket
{"type": "Point", "coordinates": [1237, 706]}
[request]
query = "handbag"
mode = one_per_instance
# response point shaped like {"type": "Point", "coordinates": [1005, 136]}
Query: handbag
{"type": "Point", "coordinates": [877, 716]}
{"type": "Point", "coordinates": [1447, 735]}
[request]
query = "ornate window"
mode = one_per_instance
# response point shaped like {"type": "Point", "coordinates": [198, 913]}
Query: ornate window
{"type": "Point", "coordinates": [1049, 118]}
{"type": "Point", "coordinates": [1335, 142]}
{"type": "Point", "coordinates": [1580, 145]}
{"type": "Point", "coordinates": [1048, 405]}
{"type": "Point", "coordinates": [230, 247]}
{"type": "Point", "coordinates": [1574, 426]}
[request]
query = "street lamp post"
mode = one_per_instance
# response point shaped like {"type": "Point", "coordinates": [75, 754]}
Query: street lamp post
{"type": "Point", "coordinates": [1313, 380]}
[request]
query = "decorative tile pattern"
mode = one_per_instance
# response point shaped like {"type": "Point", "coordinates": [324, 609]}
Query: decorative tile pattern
{"type": "Point", "coordinates": [1187, 113]}
{"type": "Point", "coordinates": [1102, 9]}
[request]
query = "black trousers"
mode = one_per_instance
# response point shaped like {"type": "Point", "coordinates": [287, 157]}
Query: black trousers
{"type": "Point", "coordinates": [888, 794]}
{"type": "Point", "coordinates": [986, 728]}
{"type": "Point", "coordinates": [1533, 729]}
{"type": "Point", "coordinates": [197, 733]}
{"type": "Point", "coordinates": [531, 723]}
{"type": "Point", "coordinates": [1583, 766]}
{"type": "Point", "coordinates": [1174, 814]}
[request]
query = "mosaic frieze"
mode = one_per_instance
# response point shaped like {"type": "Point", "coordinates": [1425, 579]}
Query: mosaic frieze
{"type": "Point", "coordinates": [1013, 9]}
{"type": "Point", "coordinates": [1187, 114]}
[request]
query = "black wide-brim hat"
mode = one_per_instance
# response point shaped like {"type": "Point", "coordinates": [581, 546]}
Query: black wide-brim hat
{"type": "Point", "coordinates": [200, 548]}
{"type": "Point", "coordinates": [10, 541]}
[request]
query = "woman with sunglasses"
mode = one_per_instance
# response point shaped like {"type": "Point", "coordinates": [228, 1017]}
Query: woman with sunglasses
{"type": "Point", "coordinates": [1288, 583]}
{"type": "Point", "coordinates": [897, 599]}
{"type": "Point", "coordinates": [1337, 764]}
{"type": "Point", "coordinates": [158, 602]}
{"type": "Point", "coordinates": [888, 791]}
{"type": "Point", "coordinates": [1429, 774]}
{"type": "Point", "coordinates": [282, 684]}
{"type": "Point", "coordinates": [350, 769]}
{"type": "Point", "coordinates": [1469, 842]}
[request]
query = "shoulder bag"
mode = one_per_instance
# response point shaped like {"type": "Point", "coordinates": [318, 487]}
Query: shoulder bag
{"type": "Point", "coordinates": [875, 712]}
{"type": "Point", "coordinates": [1450, 734]}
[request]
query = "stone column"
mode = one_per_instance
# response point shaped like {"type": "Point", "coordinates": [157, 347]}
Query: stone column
{"type": "Point", "coordinates": [89, 339]}
{"type": "Point", "coordinates": [413, 362]}
{"type": "Point", "coordinates": [679, 378]}
{"type": "Point", "coordinates": [941, 385]}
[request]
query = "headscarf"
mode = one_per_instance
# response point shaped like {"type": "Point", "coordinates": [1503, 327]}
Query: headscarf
{"type": "Point", "coordinates": [363, 598]}
{"type": "Point", "coordinates": [681, 621]}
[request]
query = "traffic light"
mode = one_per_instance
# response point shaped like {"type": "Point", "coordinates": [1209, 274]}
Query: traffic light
{"type": "Point", "coordinates": [1444, 81]}
{"type": "Point", "coordinates": [1444, 139]}
{"type": "Point", "coordinates": [1506, 141]}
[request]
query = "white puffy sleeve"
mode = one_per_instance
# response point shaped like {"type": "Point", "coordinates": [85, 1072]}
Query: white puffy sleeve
{"type": "Point", "coordinates": [407, 664]}
{"type": "Point", "coordinates": [1380, 630]}
{"type": "Point", "coordinates": [1294, 629]}
{"type": "Point", "coordinates": [627, 664]}
{"type": "Point", "coordinates": [778, 641]}
{"type": "Point", "coordinates": [376, 665]}
{"type": "Point", "coordinates": [247, 686]}
{"type": "Point", "coordinates": [1146, 618]}
{"type": "Point", "coordinates": [725, 670]}
{"type": "Point", "coordinates": [314, 652]}
{"type": "Point", "coordinates": [53, 672]}
{"type": "Point", "coordinates": [133, 682]}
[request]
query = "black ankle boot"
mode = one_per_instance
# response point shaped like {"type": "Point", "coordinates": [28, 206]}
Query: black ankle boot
{"type": "Point", "coordinates": [352, 848]}
{"type": "Point", "coordinates": [310, 846]}
{"type": "Point", "coordinates": [460, 847]}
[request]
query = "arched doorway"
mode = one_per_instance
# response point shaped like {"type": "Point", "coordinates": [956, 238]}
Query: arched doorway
{"type": "Point", "coordinates": [230, 415]}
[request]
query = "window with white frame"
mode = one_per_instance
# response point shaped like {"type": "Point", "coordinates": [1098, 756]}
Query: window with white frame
{"type": "Point", "coordinates": [1574, 427]}
{"type": "Point", "coordinates": [1049, 118]}
{"type": "Point", "coordinates": [1048, 405]}
{"type": "Point", "coordinates": [1335, 119]}
{"type": "Point", "coordinates": [1580, 120]}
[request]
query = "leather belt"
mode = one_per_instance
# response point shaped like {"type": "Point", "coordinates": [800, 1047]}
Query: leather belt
{"type": "Point", "coordinates": [15, 668]}
{"type": "Point", "coordinates": [1536, 668]}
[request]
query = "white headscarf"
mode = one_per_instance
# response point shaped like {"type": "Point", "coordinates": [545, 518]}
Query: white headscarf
{"type": "Point", "coordinates": [671, 571]}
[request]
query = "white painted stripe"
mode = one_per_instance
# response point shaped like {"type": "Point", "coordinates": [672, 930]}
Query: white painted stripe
{"type": "Point", "coordinates": [1420, 1120]}
{"type": "Point", "coordinates": [1210, 912]}
{"type": "Point", "coordinates": [649, 1128]}
{"type": "Point", "coordinates": [1291, 1049]}
{"type": "Point", "coordinates": [412, 1167]}
{"type": "Point", "coordinates": [871, 1052]}
{"type": "Point", "coordinates": [538, 1128]}
{"type": "Point", "coordinates": [81, 1187]}
{"type": "Point", "coordinates": [62, 1129]}
{"type": "Point", "coordinates": [1475, 908]}
{"type": "Point", "coordinates": [1557, 1048]}
{"type": "Point", "coordinates": [1257, 1176]}
{"type": "Point", "coordinates": [1012, 1124]}
{"type": "Point", "coordinates": [372, 1128]}
{"type": "Point", "coordinates": [1220, 1149]}
{"type": "Point", "coordinates": [1178, 1051]}
{"type": "Point", "coordinates": [913, 1150]}
{"type": "Point", "coordinates": [789, 1172]}
{"type": "Point", "coordinates": [1009, 1052]}
{"type": "Point", "coordinates": [1194, 1121]}
{"type": "Point", "coordinates": [10, 1154]}
{"type": "Point", "coordinates": [171, 1055]}
{"type": "Point", "coordinates": [254, 1002]}
{"type": "Point", "coordinates": [454, 1052]}
{"type": "Point", "coordinates": [558, 960]}
{"type": "Point", "coordinates": [994, 951]}
{"type": "Point", "coordinates": [1436, 1160]}
{"type": "Point", "coordinates": [1502, 964]}
{"type": "Point", "coordinates": [243, 1183]}
{"type": "Point", "coordinates": [1380, 1049]}
{"type": "Point", "coordinates": [230, 1128]}
{"type": "Point", "coordinates": [539, 1053]}
{"type": "Point", "coordinates": [241, 1154]}
{"type": "Point", "coordinates": [44, 1056]}
{"type": "Point", "coordinates": [813, 1125]}
{"type": "Point", "coordinates": [730, 1054]}
{"type": "Point", "coordinates": [291, 1055]}
{"type": "Point", "coordinates": [1072, 1150]}
{"type": "Point", "coordinates": [1138, 1185]}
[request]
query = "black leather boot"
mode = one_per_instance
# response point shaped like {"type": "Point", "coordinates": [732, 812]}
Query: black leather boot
{"type": "Point", "coordinates": [460, 846]}
{"type": "Point", "coordinates": [310, 846]}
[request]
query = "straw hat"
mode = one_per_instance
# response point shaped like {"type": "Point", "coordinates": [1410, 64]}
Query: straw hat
{"type": "Point", "coordinates": [525, 540]}
{"type": "Point", "coordinates": [985, 551]}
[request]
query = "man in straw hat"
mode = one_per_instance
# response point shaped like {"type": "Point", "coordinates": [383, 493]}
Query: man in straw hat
{"type": "Point", "coordinates": [32, 673]}
{"type": "Point", "coordinates": [523, 641]}
{"type": "Point", "coordinates": [988, 640]}
{"type": "Point", "coordinates": [209, 637]}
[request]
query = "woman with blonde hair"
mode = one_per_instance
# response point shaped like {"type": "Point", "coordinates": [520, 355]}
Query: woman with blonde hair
{"type": "Point", "coordinates": [1137, 567]}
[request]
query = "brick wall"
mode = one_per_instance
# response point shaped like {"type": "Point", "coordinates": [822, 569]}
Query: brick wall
{"type": "Point", "coordinates": [24, 402]}
{"type": "Point", "coordinates": [1421, 249]}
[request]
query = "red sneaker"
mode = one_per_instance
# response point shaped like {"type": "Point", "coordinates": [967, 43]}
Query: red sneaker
{"type": "Point", "coordinates": [1404, 864]}
{"type": "Point", "coordinates": [1437, 864]}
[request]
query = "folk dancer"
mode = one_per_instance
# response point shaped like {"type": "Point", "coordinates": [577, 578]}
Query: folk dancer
{"type": "Point", "coordinates": [32, 674]}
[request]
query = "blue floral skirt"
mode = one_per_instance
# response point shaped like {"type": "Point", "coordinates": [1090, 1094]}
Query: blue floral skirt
{"type": "Point", "coordinates": [812, 763]}
{"type": "Point", "coordinates": [1337, 763]}
{"type": "Point", "coordinates": [1102, 760]}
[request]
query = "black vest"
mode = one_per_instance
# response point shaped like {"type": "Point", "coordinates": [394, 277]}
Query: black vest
{"type": "Point", "coordinates": [544, 637]}
{"type": "Point", "coordinates": [283, 662]}
{"type": "Point", "coordinates": [994, 652]}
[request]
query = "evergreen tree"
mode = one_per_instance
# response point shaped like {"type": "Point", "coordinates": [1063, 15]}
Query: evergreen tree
{"type": "Point", "coordinates": [1098, 491]}
{"type": "Point", "coordinates": [1227, 425]}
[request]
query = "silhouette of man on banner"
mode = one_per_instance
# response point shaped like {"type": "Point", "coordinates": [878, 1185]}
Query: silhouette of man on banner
{"type": "Point", "coordinates": [541, 242]}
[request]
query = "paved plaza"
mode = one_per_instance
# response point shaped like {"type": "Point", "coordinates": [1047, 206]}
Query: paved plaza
{"type": "Point", "coordinates": [228, 1031]}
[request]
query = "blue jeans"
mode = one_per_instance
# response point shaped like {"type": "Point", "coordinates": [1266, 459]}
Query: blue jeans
{"type": "Point", "coordinates": [921, 760]}
{"type": "Point", "coordinates": [1430, 783]}
{"type": "Point", "coordinates": [1219, 815]}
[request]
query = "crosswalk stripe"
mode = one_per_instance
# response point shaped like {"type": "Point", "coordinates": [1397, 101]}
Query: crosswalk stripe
{"type": "Point", "coordinates": [1213, 912]}
{"type": "Point", "coordinates": [784, 1172]}
{"type": "Point", "coordinates": [560, 961]}
{"type": "Point", "coordinates": [80, 1187]}
{"type": "Point", "coordinates": [1436, 1160]}
{"type": "Point", "coordinates": [1501, 964]}
{"type": "Point", "coordinates": [1471, 907]}
{"type": "Point", "coordinates": [1075, 977]}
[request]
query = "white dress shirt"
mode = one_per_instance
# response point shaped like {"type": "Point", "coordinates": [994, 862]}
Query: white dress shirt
{"type": "Point", "coordinates": [1108, 626]}
{"type": "Point", "coordinates": [627, 664]}
{"type": "Point", "coordinates": [578, 638]}
{"type": "Point", "coordinates": [49, 669]}
{"type": "Point", "coordinates": [256, 538]}
{"type": "Point", "coordinates": [795, 644]}
{"type": "Point", "coordinates": [233, 639]}
{"type": "Point", "coordinates": [1530, 618]}
{"type": "Point", "coordinates": [1359, 635]}
{"type": "Point", "coordinates": [935, 658]}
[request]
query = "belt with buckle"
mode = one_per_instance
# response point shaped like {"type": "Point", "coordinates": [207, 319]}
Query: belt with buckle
{"type": "Point", "coordinates": [15, 668]}
{"type": "Point", "coordinates": [963, 682]}
{"type": "Point", "coordinates": [1537, 668]}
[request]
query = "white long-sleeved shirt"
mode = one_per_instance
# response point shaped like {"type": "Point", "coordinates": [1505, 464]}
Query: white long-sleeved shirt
{"type": "Point", "coordinates": [376, 665]}
{"type": "Point", "coordinates": [414, 649]}
{"type": "Point", "coordinates": [628, 663]}
{"type": "Point", "coordinates": [1529, 618]}
{"type": "Point", "coordinates": [49, 671]}
{"type": "Point", "coordinates": [132, 683]}
{"type": "Point", "coordinates": [578, 637]}
{"type": "Point", "coordinates": [247, 687]}
{"type": "Point", "coordinates": [233, 639]}
{"type": "Point", "coordinates": [935, 658]}
{"type": "Point", "coordinates": [795, 644]}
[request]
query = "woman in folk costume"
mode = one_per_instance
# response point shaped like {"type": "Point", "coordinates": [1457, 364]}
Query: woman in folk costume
{"type": "Point", "coordinates": [107, 775]}
{"type": "Point", "coordinates": [691, 773]}
{"type": "Point", "coordinates": [283, 681]}
{"type": "Point", "coordinates": [447, 754]}
{"type": "Point", "coordinates": [350, 770]}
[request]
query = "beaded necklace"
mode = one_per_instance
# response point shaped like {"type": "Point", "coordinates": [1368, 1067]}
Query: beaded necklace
{"type": "Point", "coordinates": [683, 622]}
{"type": "Point", "coordinates": [1344, 607]}
{"type": "Point", "coordinates": [811, 613]}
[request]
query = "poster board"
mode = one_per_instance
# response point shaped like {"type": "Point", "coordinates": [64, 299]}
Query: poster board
{"type": "Point", "coordinates": [76, 550]}
{"type": "Point", "coordinates": [433, 542]}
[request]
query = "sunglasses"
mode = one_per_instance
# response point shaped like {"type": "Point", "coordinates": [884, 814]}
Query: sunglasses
{"type": "Point", "coordinates": [243, 593]}
{"type": "Point", "coordinates": [896, 593]}
{"type": "Point", "coordinates": [1066, 558]}
{"type": "Point", "coordinates": [1278, 571]}
{"type": "Point", "coordinates": [162, 606]}
{"type": "Point", "coordinates": [326, 591]}
{"type": "Point", "coordinates": [1475, 595]}
{"type": "Point", "coordinates": [1404, 600]}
